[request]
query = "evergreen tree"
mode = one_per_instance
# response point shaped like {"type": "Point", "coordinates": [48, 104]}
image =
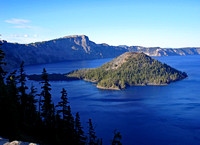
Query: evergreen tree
{"type": "Point", "coordinates": [80, 138]}
{"type": "Point", "coordinates": [13, 91]}
{"type": "Point", "coordinates": [3, 89]}
{"type": "Point", "coordinates": [12, 107]}
{"type": "Point", "coordinates": [22, 80]}
{"type": "Point", "coordinates": [23, 94]}
{"type": "Point", "coordinates": [18, 108]}
{"type": "Point", "coordinates": [70, 123]}
{"type": "Point", "coordinates": [67, 120]}
{"type": "Point", "coordinates": [116, 139]}
{"type": "Point", "coordinates": [91, 134]}
{"type": "Point", "coordinates": [99, 141]}
{"type": "Point", "coordinates": [63, 104]}
{"type": "Point", "coordinates": [2, 72]}
{"type": "Point", "coordinates": [31, 105]}
{"type": "Point", "coordinates": [70, 118]}
{"type": "Point", "coordinates": [46, 108]}
{"type": "Point", "coordinates": [53, 116]}
{"type": "Point", "coordinates": [58, 121]}
{"type": "Point", "coordinates": [31, 99]}
{"type": "Point", "coordinates": [39, 105]}
{"type": "Point", "coordinates": [2, 76]}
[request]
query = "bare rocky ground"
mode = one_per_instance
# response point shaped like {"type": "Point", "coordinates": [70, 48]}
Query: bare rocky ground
{"type": "Point", "coordinates": [4, 141]}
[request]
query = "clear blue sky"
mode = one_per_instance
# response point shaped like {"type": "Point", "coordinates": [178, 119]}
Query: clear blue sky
{"type": "Point", "coordinates": [164, 23]}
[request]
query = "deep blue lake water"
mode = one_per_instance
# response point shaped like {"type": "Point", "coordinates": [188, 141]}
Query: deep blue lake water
{"type": "Point", "coordinates": [145, 115]}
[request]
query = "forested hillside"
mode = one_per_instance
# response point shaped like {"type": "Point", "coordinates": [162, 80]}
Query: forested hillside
{"type": "Point", "coordinates": [130, 69]}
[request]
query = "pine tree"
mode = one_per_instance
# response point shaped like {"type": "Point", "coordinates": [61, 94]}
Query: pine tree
{"type": "Point", "coordinates": [2, 72]}
{"type": "Point", "coordinates": [31, 99]}
{"type": "Point", "coordinates": [2, 76]}
{"type": "Point", "coordinates": [39, 105]}
{"type": "Point", "coordinates": [53, 116]}
{"type": "Point", "coordinates": [70, 121]}
{"type": "Point", "coordinates": [12, 106]}
{"type": "Point", "coordinates": [12, 81]}
{"type": "Point", "coordinates": [23, 94]}
{"type": "Point", "coordinates": [67, 121]}
{"type": "Point", "coordinates": [3, 90]}
{"type": "Point", "coordinates": [91, 134]}
{"type": "Point", "coordinates": [46, 108]}
{"type": "Point", "coordinates": [31, 105]}
{"type": "Point", "coordinates": [80, 138]}
{"type": "Point", "coordinates": [99, 142]}
{"type": "Point", "coordinates": [116, 139]}
{"type": "Point", "coordinates": [63, 104]}
{"type": "Point", "coordinates": [58, 121]}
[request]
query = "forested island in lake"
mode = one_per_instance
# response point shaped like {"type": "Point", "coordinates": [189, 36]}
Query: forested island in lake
{"type": "Point", "coordinates": [129, 69]}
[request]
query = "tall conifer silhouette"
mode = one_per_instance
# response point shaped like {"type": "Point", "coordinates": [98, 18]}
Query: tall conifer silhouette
{"type": "Point", "coordinates": [46, 108]}
{"type": "Point", "coordinates": [80, 138]}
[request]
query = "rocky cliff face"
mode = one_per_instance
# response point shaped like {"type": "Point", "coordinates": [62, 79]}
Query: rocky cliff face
{"type": "Point", "coordinates": [76, 47]}
{"type": "Point", "coordinates": [157, 51]}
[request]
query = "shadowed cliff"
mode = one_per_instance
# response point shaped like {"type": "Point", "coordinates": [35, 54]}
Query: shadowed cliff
{"type": "Point", "coordinates": [76, 47]}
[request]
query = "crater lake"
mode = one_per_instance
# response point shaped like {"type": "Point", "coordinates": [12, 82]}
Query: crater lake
{"type": "Point", "coordinates": [144, 115]}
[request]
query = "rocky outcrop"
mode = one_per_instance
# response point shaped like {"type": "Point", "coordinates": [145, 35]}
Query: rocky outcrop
{"type": "Point", "coordinates": [76, 47]}
{"type": "Point", "coordinates": [157, 51]}
{"type": "Point", "coordinates": [6, 142]}
{"type": "Point", "coordinates": [19, 143]}
{"type": "Point", "coordinates": [120, 60]}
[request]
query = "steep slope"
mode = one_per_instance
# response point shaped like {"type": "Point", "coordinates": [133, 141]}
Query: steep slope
{"type": "Point", "coordinates": [130, 68]}
{"type": "Point", "coordinates": [76, 47]}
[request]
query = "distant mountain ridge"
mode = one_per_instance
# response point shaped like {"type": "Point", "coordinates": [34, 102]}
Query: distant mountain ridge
{"type": "Point", "coordinates": [76, 47]}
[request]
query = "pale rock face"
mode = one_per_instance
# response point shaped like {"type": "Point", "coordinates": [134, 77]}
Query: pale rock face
{"type": "Point", "coordinates": [76, 47]}
{"type": "Point", "coordinates": [6, 142]}
{"type": "Point", "coordinates": [117, 62]}
{"type": "Point", "coordinates": [14, 143]}
{"type": "Point", "coordinates": [19, 143]}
